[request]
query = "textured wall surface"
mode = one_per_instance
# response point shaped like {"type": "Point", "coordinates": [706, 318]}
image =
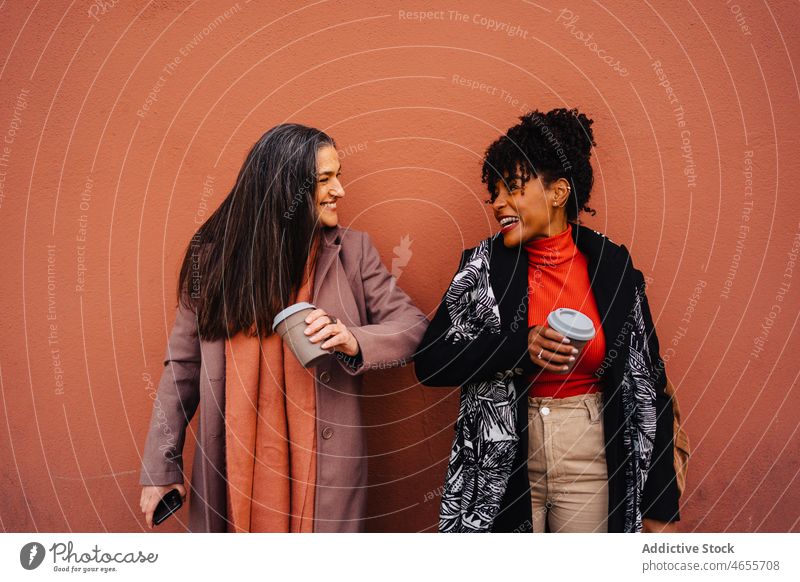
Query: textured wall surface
{"type": "Point", "coordinates": [124, 123]}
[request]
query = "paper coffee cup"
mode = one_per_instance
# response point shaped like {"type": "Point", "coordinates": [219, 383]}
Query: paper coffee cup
{"type": "Point", "coordinates": [573, 324]}
{"type": "Point", "coordinates": [290, 324]}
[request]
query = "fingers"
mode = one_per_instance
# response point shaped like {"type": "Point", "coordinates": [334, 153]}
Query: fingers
{"type": "Point", "coordinates": [544, 362]}
{"type": "Point", "coordinates": [148, 506]}
{"type": "Point", "coordinates": [557, 343]}
{"type": "Point", "coordinates": [553, 334]}
{"type": "Point", "coordinates": [557, 347]}
{"type": "Point", "coordinates": [150, 497]}
{"type": "Point", "coordinates": [318, 324]}
{"type": "Point", "coordinates": [321, 327]}
{"type": "Point", "coordinates": [181, 489]}
{"type": "Point", "coordinates": [549, 356]}
{"type": "Point", "coordinates": [339, 339]}
{"type": "Point", "coordinates": [550, 339]}
{"type": "Point", "coordinates": [327, 331]}
{"type": "Point", "coordinates": [317, 313]}
{"type": "Point", "coordinates": [145, 499]}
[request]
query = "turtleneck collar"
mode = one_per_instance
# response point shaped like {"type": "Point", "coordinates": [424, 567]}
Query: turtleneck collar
{"type": "Point", "coordinates": [551, 250]}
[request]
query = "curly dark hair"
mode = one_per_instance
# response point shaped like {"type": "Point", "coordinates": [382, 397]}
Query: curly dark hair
{"type": "Point", "coordinates": [553, 145]}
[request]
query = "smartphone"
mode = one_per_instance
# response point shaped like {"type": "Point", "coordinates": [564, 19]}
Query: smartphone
{"type": "Point", "coordinates": [169, 504]}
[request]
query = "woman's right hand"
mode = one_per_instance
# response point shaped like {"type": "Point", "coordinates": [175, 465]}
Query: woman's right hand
{"type": "Point", "coordinates": [151, 495]}
{"type": "Point", "coordinates": [549, 349]}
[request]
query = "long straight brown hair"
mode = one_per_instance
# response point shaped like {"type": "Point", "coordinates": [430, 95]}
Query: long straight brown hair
{"type": "Point", "coordinates": [245, 262]}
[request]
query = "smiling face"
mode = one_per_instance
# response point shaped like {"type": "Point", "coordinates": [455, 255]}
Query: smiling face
{"type": "Point", "coordinates": [531, 210]}
{"type": "Point", "coordinates": [328, 189]}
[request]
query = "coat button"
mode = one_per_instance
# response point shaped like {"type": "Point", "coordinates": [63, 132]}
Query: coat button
{"type": "Point", "coordinates": [518, 371]}
{"type": "Point", "coordinates": [327, 432]}
{"type": "Point", "coordinates": [499, 375]}
{"type": "Point", "coordinates": [544, 410]}
{"type": "Point", "coordinates": [325, 377]}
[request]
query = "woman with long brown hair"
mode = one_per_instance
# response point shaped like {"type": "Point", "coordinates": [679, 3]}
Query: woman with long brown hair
{"type": "Point", "coordinates": [279, 447]}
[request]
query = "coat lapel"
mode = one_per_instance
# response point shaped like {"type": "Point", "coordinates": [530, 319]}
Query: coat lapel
{"type": "Point", "coordinates": [610, 271]}
{"type": "Point", "coordinates": [508, 276]}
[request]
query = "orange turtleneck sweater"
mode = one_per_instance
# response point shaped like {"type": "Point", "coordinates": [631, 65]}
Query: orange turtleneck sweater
{"type": "Point", "coordinates": [558, 276]}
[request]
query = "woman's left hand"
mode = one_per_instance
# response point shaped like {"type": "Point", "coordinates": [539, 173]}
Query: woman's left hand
{"type": "Point", "coordinates": [655, 526]}
{"type": "Point", "coordinates": [322, 326]}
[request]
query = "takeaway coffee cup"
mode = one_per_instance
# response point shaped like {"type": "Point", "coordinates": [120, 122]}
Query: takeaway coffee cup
{"type": "Point", "coordinates": [290, 324]}
{"type": "Point", "coordinates": [574, 325]}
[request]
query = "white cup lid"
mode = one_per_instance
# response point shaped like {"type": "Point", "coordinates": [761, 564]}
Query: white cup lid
{"type": "Point", "coordinates": [291, 310]}
{"type": "Point", "coordinates": [571, 323]}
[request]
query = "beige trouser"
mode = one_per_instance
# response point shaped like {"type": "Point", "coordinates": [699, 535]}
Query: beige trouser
{"type": "Point", "coordinates": [567, 463]}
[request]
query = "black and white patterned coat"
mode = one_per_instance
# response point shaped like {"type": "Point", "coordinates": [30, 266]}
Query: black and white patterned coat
{"type": "Point", "coordinates": [478, 340]}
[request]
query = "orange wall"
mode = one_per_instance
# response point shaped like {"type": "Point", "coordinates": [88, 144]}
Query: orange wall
{"type": "Point", "coordinates": [75, 358]}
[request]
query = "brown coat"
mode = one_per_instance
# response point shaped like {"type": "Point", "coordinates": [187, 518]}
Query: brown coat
{"type": "Point", "coordinates": [352, 284]}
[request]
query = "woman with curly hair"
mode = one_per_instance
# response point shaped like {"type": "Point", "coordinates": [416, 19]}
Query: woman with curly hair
{"type": "Point", "coordinates": [549, 438]}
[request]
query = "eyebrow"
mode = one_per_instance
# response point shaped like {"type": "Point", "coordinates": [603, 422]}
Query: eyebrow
{"type": "Point", "coordinates": [329, 172]}
{"type": "Point", "coordinates": [510, 179]}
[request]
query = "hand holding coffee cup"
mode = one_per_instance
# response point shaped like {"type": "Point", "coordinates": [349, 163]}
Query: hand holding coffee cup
{"type": "Point", "coordinates": [322, 326]}
{"type": "Point", "coordinates": [290, 324]}
{"type": "Point", "coordinates": [556, 346]}
{"type": "Point", "coordinates": [549, 349]}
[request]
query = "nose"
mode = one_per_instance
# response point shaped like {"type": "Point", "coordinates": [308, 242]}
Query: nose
{"type": "Point", "coordinates": [499, 202]}
{"type": "Point", "coordinates": [337, 189]}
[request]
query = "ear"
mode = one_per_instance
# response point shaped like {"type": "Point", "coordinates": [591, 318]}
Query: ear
{"type": "Point", "coordinates": [561, 191]}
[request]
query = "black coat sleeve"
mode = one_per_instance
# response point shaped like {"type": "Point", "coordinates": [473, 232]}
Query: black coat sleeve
{"type": "Point", "coordinates": [445, 362]}
{"type": "Point", "coordinates": [660, 498]}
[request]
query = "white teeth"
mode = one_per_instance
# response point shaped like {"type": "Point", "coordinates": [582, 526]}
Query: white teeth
{"type": "Point", "coordinates": [505, 221]}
